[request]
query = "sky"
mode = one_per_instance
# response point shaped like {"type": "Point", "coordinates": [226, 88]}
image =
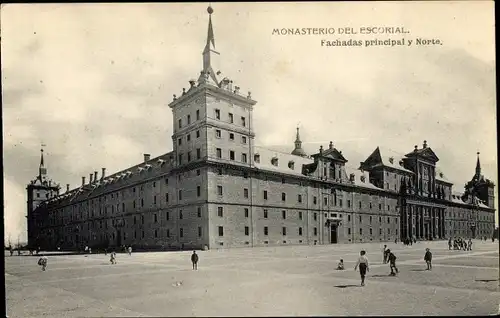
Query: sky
{"type": "Point", "coordinates": [93, 81]}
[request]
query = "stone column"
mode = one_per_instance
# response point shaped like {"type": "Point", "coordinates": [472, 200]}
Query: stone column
{"type": "Point", "coordinates": [417, 224]}
{"type": "Point", "coordinates": [433, 222]}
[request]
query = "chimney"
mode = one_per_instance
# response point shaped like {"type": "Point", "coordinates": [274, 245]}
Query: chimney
{"type": "Point", "coordinates": [95, 176]}
{"type": "Point", "coordinates": [416, 148]}
{"type": "Point", "coordinates": [103, 174]}
{"type": "Point", "coordinates": [351, 177]}
{"type": "Point", "coordinates": [331, 145]}
{"type": "Point", "coordinates": [320, 150]}
{"type": "Point", "coordinates": [90, 178]}
{"type": "Point", "coordinates": [147, 157]}
{"type": "Point", "coordinates": [83, 181]}
{"type": "Point", "coordinates": [425, 143]}
{"type": "Point", "coordinates": [67, 187]}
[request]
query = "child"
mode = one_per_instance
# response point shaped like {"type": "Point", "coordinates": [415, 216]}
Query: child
{"type": "Point", "coordinates": [194, 260]}
{"type": "Point", "coordinates": [112, 259]}
{"type": "Point", "coordinates": [43, 262]}
{"type": "Point", "coordinates": [384, 254]}
{"type": "Point", "coordinates": [340, 266]}
{"type": "Point", "coordinates": [428, 259]}
{"type": "Point", "coordinates": [363, 266]}
{"type": "Point", "coordinates": [392, 263]}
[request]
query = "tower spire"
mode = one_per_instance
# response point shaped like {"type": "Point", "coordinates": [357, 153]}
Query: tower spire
{"type": "Point", "coordinates": [298, 151]}
{"type": "Point", "coordinates": [209, 71]}
{"type": "Point", "coordinates": [42, 171]}
{"type": "Point", "coordinates": [478, 166]}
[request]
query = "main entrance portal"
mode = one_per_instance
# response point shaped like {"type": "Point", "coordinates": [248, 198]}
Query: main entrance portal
{"type": "Point", "coordinates": [333, 233]}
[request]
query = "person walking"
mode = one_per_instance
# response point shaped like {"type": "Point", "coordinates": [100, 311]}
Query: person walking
{"type": "Point", "coordinates": [112, 258]}
{"type": "Point", "coordinates": [392, 263]}
{"type": "Point", "coordinates": [130, 250]}
{"type": "Point", "coordinates": [470, 244]}
{"type": "Point", "coordinates": [43, 262]}
{"type": "Point", "coordinates": [384, 254]}
{"type": "Point", "coordinates": [428, 258]}
{"type": "Point", "coordinates": [363, 266]}
{"type": "Point", "coordinates": [194, 260]}
{"type": "Point", "coordinates": [449, 244]}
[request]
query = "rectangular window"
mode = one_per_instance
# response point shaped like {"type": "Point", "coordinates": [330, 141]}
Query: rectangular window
{"type": "Point", "coordinates": [197, 134]}
{"type": "Point", "coordinates": [142, 202]}
{"type": "Point", "coordinates": [388, 220]}
{"type": "Point", "coordinates": [231, 154]}
{"type": "Point", "coordinates": [181, 232]}
{"type": "Point", "coordinates": [244, 157]}
{"type": "Point", "coordinates": [221, 231]}
{"type": "Point", "coordinates": [189, 119]}
{"type": "Point", "coordinates": [370, 219]}
{"type": "Point", "coordinates": [243, 122]}
{"type": "Point", "coordinates": [243, 139]}
{"type": "Point", "coordinates": [300, 215]}
{"type": "Point", "coordinates": [245, 193]}
{"type": "Point", "coordinates": [283, 214]}
{"type": "Point", "coordinates": [315, 231]}
{"type": "Point", "coordinates": [265, 195]}
{"type": "Point", "coordinates": [231, 118]}
{"type": "Point", "coordinates": [199, 231]}
{"type": "Point", "coordinates": [180, 123]}
{"type": "Point", "coordinates": [156, 218]}
{"type": "Point", "coordinates": [315, 216]}
{"type": "Point", "coordinates": [360, 220]}
{"type": "Point", "coordinates": [379, 231]}
{"type": "Point", "coordinates": [180, 194]}
{"type": "Point", "coordinates": [299, 198]}
{"type": "Point", "coordinates": [218, 133]}
{"type": "Point", "coordinates": [340, 203]}
{"type": "Point", "coordinates": [198, 153]}
{"type": "Point", "coordinates": [156, 233]}
{"type": "Point", "coordinates": [217, 114]}
{"type": "Point", "coordinates": [325, 200]}
{"type": "Point", "coordinates": [180, 215]}
{"type": "Point", "coordinates": [199, 212]}
{"type": "Point", "coordinates": [315, 200]}
{"type": "Point", "coordinates": [168, 216]}
{"type": "Point", "coordinates": [246, 212]}
{"type": "Point", "coordinates": [284, 231]}
{"type": "Point", "coordinates": [265, 214]}
{"type": "Point", "coordinates": [231, 136]}
{"type": "Point", "coordinates": [348, 203]}
{"type": "Point", "coordinates": [219, 153]}
{"type": "Point", "coordinates": [135, 219]}
{"type": "Point", "coordinates": [361, 231]}
{"type": "Point", "coordinates": [283, 196]}
{"type": "Point", "coordinates": [197, 114]}
{"type": "Point", "coordinates": [220, 211]}
{"type": "Point", "coordinates": [166, 197]}
{"type": "Point", "coordinates": [180, 159]}
{"type": "Point", "coordinates": [371, 231]}
{"type": "Point", "coordinates": [219, 190]}
{"type": "Point", "coordinates": [266, 230]}
{"type": "Point", "coordinates": [142, 219]}
{"type": "Point", "coordinates": [349, 230]}
{"type": "Point", "coordinates": [188, 137]}
{"type": "Point", "coordinates": [198, 191]}
{"type": "Point", "coordinates": [380, 206]}
{"type": "Point", "coordinates": [247, 230]}
{"type": "Point", "coordinates": [300, 231]}
{"type": "Point", "coordinates": [388, 231]}
{"type": "Point", "coordinates": [198, 172]}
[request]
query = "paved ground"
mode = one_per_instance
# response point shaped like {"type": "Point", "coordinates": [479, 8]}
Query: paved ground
{"type": "Point", "coordinates": [282, 281]}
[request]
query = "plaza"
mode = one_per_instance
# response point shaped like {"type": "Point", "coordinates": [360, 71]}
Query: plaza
{"type": "Point", "coordinates": [263, 281]}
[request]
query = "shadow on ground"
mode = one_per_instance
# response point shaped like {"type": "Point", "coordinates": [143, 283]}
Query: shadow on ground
{"type": "Point", "coordinates": [486, 280]}
{"type": "Point", "coordinates": [347, 286]}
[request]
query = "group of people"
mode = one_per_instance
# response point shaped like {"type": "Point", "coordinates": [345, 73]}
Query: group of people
{"type": "Point", "coordinates": [387, 257]}
{"type": "Point", "coordinates": [460, 244]}
{"type": "Point", "coordinates": [409, 241]}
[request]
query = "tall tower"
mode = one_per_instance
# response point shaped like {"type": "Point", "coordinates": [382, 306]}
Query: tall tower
{"type": "Point", "coordinates": [480, 187]}
{"type": "Point", "coordinates": [212, 119]}
{"type": "Point", "coordinates": [38, 190]}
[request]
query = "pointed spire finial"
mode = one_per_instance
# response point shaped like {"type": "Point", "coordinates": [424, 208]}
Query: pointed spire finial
{"type": "Point", "coordinates": [478, 166]}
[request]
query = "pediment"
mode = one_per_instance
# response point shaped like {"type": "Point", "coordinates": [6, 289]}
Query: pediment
{"type": "Point", "coordinates": [428, 154]}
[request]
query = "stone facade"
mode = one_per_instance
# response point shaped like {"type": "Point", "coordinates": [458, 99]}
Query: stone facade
{"type": "Point", "coordinates": [216, 189]}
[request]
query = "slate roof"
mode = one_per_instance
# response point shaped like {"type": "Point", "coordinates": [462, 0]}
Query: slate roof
{"type": "Point", "coordinates": [281, 161]}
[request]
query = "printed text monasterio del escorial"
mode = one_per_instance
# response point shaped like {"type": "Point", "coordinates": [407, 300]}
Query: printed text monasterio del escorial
{"type": "Point", "coordinates": [340, 30]}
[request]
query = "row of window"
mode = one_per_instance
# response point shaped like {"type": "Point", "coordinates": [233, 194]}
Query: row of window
{"type": "Point", "coordinates": [217, 113]}
{"type": "Point", "coordinates": [188, 137]}
{"type": "Point", "coordinates": [230, 119]}
{"type": "Point", "coordinates": [371, 231]}
{"type": "Point", "coordinates": [266, 231]}
{"type": "Point", "coordinates": [218, 134]}
{"type": "Point", "coordinates": [232, 156]}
